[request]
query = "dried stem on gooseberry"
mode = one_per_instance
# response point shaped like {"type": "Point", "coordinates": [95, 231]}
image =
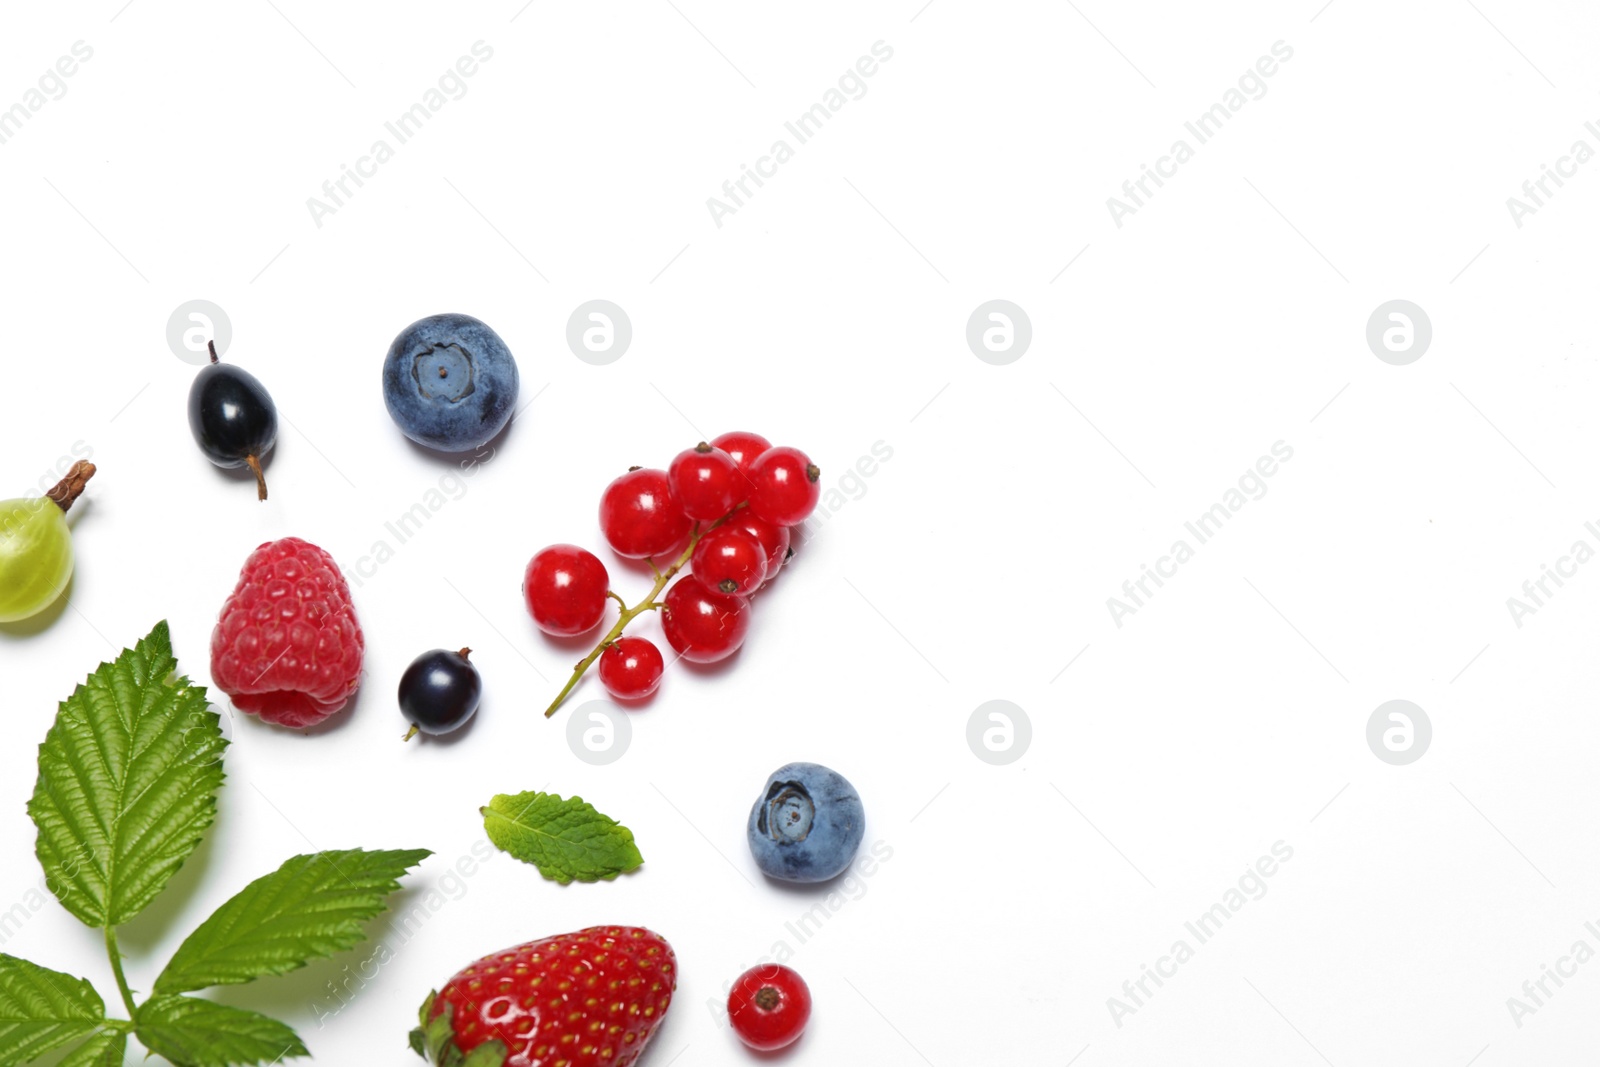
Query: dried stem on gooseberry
{"type": "Point", "coordinates": [71, 487]}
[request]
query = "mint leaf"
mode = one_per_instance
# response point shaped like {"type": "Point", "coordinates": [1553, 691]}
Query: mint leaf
{"type": "Point", "coordinates": [199, 1033]}
{"type": "Point", "coordinates": [41, 1009]}
{"type": "Point", "coordinates": [309, 908]}
{"type": "Point", "coordinates": [105, 1049]}
{"type": "Point", "coordinates": [127, 782]}
{"type": "Point", "coordinates": [566, 839]}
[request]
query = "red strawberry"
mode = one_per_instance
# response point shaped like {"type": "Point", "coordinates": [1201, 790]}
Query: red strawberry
{"type": "Point", "coordinates": [287, 646]}
{"type": "Point", "coordinates": [589, 999]}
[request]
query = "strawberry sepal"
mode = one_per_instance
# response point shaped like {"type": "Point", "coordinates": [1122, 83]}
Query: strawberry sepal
{"type": "Point", "coordinates": [435, 1041]}
{"type": "Point", "coordinates": [488, 1054]}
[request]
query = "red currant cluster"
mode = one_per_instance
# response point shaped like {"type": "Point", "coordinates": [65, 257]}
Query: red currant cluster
{"type": "Point", "coordinates": [723, 510]}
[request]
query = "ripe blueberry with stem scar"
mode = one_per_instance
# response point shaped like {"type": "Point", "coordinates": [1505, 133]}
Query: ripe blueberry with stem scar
{"type": "Point", "coordinates": [450, 383]}
{"type": "Point", "coordinates": [806, 825]}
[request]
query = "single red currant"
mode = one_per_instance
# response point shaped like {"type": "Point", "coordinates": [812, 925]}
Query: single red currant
{"type": "Point", "coordinates": [742, 446]}
{"type": "Point", "coordinates": [769, 1007]}
{"type": "Point", "coordinates": [703, 625]}
{"type": "Point", "coordinates": [773, 538]}
{"type": "Point", "coordinates": [729, 560]}
{"type": "Point", "coordinates": [705, 482]}
{"type": "Point", "coordinates": [784, 486]}
{"type": "Point", "coordinates": [639, 516]}
{"type": "Point", "coordinates": [631, 668]}
{"type": "Point", "coordinates": [565, 588]}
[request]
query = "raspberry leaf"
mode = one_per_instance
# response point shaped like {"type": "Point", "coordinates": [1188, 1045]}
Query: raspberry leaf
{"type": "Point", "coordinates": [310, 908]}
{"type": "Point", "coordinates": [568, 840]}
{"type": "Point", "coordinates": [106, 1049]}
{"type": "Point", "coordinates": [199, 1033]}
{"type": "Point", "coordinates": [127, 783]}
{"type": "Point", "coordinates": [41, 1009]}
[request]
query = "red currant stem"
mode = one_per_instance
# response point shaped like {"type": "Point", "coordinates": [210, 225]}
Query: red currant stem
{"type": "Point", "coordinates": [71, 487]}
{"type": "Point", "coordinates": [629, 614]}
{"type": "Point", "coordinates": [626, 616]}
{"type": "Point", "coordinates": [613, 595]}
{"type": "Point", "coordinates": [261, 479]}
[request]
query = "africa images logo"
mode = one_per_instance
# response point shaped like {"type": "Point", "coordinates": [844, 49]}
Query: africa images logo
{"type": "Point", "coordinates": [1202, 528]}
{"type": "Point", "coordinates": [803, 128]}
{"type": "Point", "coordinates": [1203, 128]}
{"type": "Point", "coordinates": [451, 85]}
{"type": "Point", "coordinates": [1250, 886]}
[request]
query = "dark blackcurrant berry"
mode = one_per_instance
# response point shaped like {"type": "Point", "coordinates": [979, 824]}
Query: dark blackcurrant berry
{"type": "Point", "coordinates": [232, 418]}
{"type": "Point", "coordinates": [439, 692]}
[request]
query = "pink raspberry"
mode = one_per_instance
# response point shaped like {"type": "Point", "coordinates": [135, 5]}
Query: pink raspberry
{"type": "Point", "coordinates": [287, 646]}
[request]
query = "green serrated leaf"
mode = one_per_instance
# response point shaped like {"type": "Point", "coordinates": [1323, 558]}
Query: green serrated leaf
{"type": "Point", "coordinates": [41, 1009]}
{"type": "Point", "coordinates": [127, 783]}
{"type": "Point", "coordinates": [566, 839]}
{"type": "Point", "coordinates": [310, 908]}
{"type": "Point", "coordinates": [200, 1033]}
{"type": "Point", "coordinates": [106, 1049]}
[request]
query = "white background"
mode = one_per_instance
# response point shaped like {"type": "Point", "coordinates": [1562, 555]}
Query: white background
{"type": "Point", "coordinates": [829, 312]}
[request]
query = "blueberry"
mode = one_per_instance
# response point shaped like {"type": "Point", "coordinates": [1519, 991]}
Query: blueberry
{"type": "Point", "coordinates": [807, 824]}
{"type": "Point", "coordinates": [232, 418]}
{"type": "Point", "coordinates": [439, 692]}
{"type": "Point", "coordinates": [449, 382]}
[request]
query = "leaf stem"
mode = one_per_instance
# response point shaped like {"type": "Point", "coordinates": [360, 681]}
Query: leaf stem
{"type": "Point", "coordinates": [116, 969]}
{"type": "Point", "coordinates": [629, 614]}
